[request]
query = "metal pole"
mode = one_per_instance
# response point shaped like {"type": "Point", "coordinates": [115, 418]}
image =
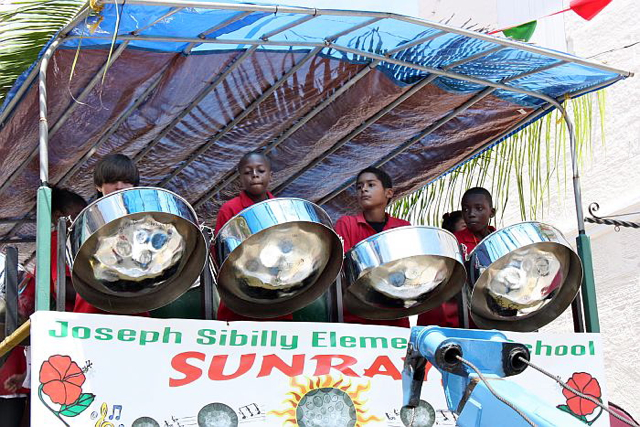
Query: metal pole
{"type": "Point", "coordinates": [208, 143]}
{"type": "Point", "coordinates": [23, 220]}
{"type": "Point", "coordinates": [43, 213]}
{"type": "Point", "coordinates": [61, 266]}
{"type": "Point", "coordinates": [209, 310]}
{"type": "Point", "coordinates": [43, 249]}
{"type": "Point", "coordinates": [18, 240]}
{"type": "Point", "coordinates": [376, 58]}
{"type": "Point", "coordinates": [233, 174]}
{"type": "Point", "coordinates": [32, 75]}
{"type": "Point", "coordinates": [433, 127]}
{"type": "Point", "coordinates": [407, 45]}
{"type": "Point", "coordinates": [114, 127]}
{"type": "Point", "coordinates": [405, 145]}
{"type": "Point", "coordinates": [11, 288]}
{"type": "Point", "coordinates": [379, 15]}
{"type": "Point", "coordinates": [336, 298]}
{"type": "Point", "coordinates": [208, 88]}
{"type": "Point", "coordinates": [373, 119]}
{"type": "Point", "coordinates": [203, 35]}
{"type": "Point", "coordinates": [588, 289]}
{"type": "Point", "coordinates": [43, 148]}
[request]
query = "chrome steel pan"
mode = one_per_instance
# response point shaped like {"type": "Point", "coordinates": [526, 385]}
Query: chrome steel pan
{"type": "Point", "coordinates": [135, 250]}
{"type": "Point", "coordinates": [276, 257]}
{"type": "Point", "coordinates": [402, 272]}
{"type": "Point", "coordinates": [522, 277]}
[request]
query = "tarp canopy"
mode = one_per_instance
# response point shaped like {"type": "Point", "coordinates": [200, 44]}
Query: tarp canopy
{"type": "Point", "coordinates": [192, 86]}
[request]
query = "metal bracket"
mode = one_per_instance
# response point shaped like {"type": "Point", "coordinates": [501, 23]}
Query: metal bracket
{"type": "Point", "coordinates": [608, 220]}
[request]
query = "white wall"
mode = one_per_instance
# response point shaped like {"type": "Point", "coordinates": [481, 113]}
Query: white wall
{"type": "Point", "coordinates": [612, 179]}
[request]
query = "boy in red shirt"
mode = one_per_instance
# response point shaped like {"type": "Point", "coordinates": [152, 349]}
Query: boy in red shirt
{"type": "Point", "coordinates": [477, 211]}
{"type": "Point", "coordinates": [112, 173]}
{"type": "Point", "coordinates": [63, 203]}
{"type": "Point", "coordinates": [374, 191]}
{"type": "Point", "coordinates": [255, 173]}
{"type": "Point", "coordinates": [13, 371]}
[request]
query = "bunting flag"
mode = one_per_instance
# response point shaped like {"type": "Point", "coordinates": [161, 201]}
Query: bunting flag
{"type": "Point", "coordinates": [586, 9]}
{"type": "Point", "coordinates": [522, 32]}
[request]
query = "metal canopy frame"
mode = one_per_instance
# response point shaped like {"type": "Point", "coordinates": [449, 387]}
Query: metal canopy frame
{"type": "Point", "coordinates": [244, 10]}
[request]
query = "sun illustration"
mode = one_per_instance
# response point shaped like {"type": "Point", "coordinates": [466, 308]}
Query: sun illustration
{"type": "Point", "coordinates": [325, 402]}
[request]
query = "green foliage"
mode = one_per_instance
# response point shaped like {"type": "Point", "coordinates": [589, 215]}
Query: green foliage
{"type": "Point", "coordinates": [531, 159]}
{"type": "Point", "coordinates": [25, 27]}
{"type": "Point", "coordinates": [77, 407]}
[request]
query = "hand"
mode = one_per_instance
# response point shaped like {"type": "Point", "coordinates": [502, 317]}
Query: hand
{"type": "Point", "coordinates": [14, 382]}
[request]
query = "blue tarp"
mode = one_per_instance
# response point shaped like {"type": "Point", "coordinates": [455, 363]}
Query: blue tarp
{"type": "Point", "coordinates": [194, 148]}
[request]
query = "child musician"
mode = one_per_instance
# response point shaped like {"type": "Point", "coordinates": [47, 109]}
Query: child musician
{"type": "Point", "coordinates": [374, 191]}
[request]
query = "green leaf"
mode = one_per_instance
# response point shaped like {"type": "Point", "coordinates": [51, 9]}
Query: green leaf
{"type": "Point", "coordinates": [532, 160]}
{"type": "Point", "coordinates": [565, 408]}
{"type": "Point", "coordinates": [25, 27]}
{"type": "Point", "coordinates": [78, 406]}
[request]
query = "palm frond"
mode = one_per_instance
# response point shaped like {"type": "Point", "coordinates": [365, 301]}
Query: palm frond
{"type": "Point", "coordinates": [531, 159]}
{"type": "Point", "coordinates": [26, 26]}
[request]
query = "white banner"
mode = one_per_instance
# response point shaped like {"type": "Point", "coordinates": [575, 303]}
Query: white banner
{"type": "Point", "coordinates": [116, 371]}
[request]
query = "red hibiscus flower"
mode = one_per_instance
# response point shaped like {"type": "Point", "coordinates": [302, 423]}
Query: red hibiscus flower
{"type": "Point", "coordinates": [62, 379]}
{"type": "Point", "coordinates": [587, 385]}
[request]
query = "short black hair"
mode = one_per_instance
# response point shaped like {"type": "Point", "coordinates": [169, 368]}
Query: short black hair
{"type": "Point", "coordinates": [479, 191]}
{"type": "Point", "coordinates": [66, 201]}
{"type": "Point", "coordinates": [250, 154]}
{"type": "Point", "coordinates": [450, 219]}
{"type": "Point", "coordinates": [116, 167]}
{"type": "Point", "coordinates": [384, 177]}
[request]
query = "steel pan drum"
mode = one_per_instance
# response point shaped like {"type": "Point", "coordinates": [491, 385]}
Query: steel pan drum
{"type": "Point", "coordinates": [402, 272]}
{"type": "Point", "coordinates": [276, 256]}
{"type": "Point", "coordinates": [135, 250]}
{"type": "Point", "coordinates": [522, 277]}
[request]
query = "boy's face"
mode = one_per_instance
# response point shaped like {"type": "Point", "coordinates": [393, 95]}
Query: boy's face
{"type": "Point", "coordinates": [255, 175]}
{"type": "Point", "coordinates": [111, 187]}
{"type": "Point", "coordinates": [476, 211]}
{"type": "Point", "coordinates": [370, 192]}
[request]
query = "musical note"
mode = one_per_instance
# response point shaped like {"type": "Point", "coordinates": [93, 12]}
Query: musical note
{"type": "Point", "coordinates": [94, 415]}
{"type": "Point", "coordinates": [253, 411]}
{"type": "Point", "coordinates": [116, 407]}
{"type": "Point", "coordinates": [393, 416]}
{"type": "Point", "coordinates": [244, 417]}
{"type": "Point", "coordinates": [104, 409]}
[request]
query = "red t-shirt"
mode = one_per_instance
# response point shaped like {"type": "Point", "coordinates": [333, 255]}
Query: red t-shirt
{"type": "Point", "coordinates": [228, 211]}
{"type": "Point", "coordinates": [468, 240]}
{"type": "Point", "coordinates": [354, 229]}
{"type": "Point", "coordinates": [26, 300]}
{"type": "Point", "coordinates": [233, 207]}
{"type": "Point", "coordinates": [16, 363]}
{"type": "Point", "coordinates": [447, 313]}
